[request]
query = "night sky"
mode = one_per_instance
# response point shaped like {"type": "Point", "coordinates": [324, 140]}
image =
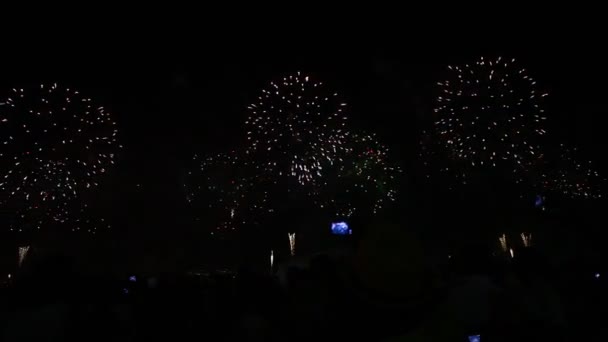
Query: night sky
{"type": "Point", "coordinates": [174, 94]}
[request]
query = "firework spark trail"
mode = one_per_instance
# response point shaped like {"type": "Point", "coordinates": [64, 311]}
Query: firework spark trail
{"type": "Point", "coordinates": [571, 177]}
{"type": "Point", "coordinates": [22, 254]}
{"type": "Point", "coordinates": [437, 161]}
{"type": "Point", "coordinates": [526, 239]}
{"type": "Point", "coordinates": [503, 242]}
{"type": "Point", "coordinates": [229, 184]}
{"type": "Point", "coordinates": [292, 243]}
{"type": "Point", "coordinates": [364, 180]}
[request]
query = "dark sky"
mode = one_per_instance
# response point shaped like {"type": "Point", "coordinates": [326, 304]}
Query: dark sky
{"type": "Point", "coordinates": [174, 94]}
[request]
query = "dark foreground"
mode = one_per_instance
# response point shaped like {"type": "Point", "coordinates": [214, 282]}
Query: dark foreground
{"type": "Point", "coordinates": [500, 299]}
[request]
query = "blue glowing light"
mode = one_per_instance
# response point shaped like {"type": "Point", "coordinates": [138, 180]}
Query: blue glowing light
{"type": "Point", "coordinates": [597, 276]}
{"type": "Point", "coordinates": [340, 228]}
{"type": "Point", "coordinates": [539, 201]}
{"type": "Point", "coordinates": [475, 338]}
{"type": "Point", "coordinates": [133, 278]}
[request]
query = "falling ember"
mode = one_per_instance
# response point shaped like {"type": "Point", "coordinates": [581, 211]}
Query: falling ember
{"type": "Point", "coordinates": [292, 243]}
{"type": "Point", "coordinates": [511, 253]}
{"type": "Point", "coordinates": [22, 254]}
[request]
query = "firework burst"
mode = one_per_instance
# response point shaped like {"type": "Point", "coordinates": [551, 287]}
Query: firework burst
{"type": "Point", "coordinates": [363, 181]}
{"type": "Point", "coordinates": [299, 157]}
{"type": "Point", "coordinates": [56, 144]}
{"type": "Point", "coordinates": [296, 126]}
{"type": "Point", "coordinates": [88, 220]}
{"type": "Point", "coordinates": [439, 163]}
{"type": "Point", "coordinates": [490, 112]}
